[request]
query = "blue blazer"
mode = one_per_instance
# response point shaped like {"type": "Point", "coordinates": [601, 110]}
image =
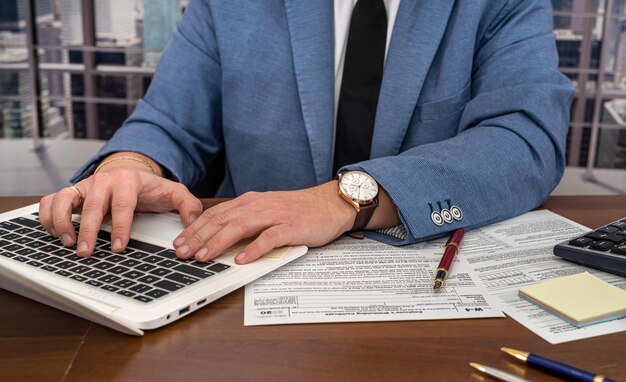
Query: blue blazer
{"type": "Point", "coordinates": [472, 112]}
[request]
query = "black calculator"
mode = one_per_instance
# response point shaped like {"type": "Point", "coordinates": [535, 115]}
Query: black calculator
{"type": "Point", "coordinates": [603, 249]}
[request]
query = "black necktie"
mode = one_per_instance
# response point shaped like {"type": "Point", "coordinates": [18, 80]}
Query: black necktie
{"type": "Point", "coordinates": [362, 75]}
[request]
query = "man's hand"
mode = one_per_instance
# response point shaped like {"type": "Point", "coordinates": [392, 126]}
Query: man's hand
{"type": "Point", "coordinates": [121, 188]}
{"type": "Point", "coordinates": [313, 217]}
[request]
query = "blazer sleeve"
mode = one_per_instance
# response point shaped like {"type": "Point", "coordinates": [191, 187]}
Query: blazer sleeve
{"type": "Point", "coordinates": [510, 152]}
{"type": "Point", "coordinates": [181, 129]}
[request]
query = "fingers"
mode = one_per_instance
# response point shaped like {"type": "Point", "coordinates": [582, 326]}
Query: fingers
{"type": "Point", "coordinates": [271, 238]}
{"type": "Point", "coordinates": [187, 205]}
{"type": "Point", "coordinates": [95, 206]}
{"type": "Point", "coordinates": [57, 214]}
{"type": "Point", "coordinates": [123, 203]}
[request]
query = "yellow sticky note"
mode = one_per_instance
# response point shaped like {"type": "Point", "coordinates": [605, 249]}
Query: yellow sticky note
{"type": "Point", "coordinates": [581, 299]}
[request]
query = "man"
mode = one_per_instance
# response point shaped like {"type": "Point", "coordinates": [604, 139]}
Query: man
{"type": "Point", "coordinates": [469, 127]}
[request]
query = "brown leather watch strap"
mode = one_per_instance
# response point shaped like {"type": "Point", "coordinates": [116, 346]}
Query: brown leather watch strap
{"type": "Point", "coordinates": [364, 215]}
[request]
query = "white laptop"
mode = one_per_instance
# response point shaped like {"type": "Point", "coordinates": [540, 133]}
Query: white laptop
{"type": "Point", "coordinates": [143, 288]}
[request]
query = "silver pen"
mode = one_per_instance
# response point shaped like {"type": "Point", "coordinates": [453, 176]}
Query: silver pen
{"type": "Point", "coordinates": [497, 373]}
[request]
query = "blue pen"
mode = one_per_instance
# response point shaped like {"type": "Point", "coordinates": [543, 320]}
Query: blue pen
{"type": "Point", "coordinates": [556, 368]}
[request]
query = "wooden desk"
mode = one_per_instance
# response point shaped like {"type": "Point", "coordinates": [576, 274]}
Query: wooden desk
{"type": "Point", "coordinates": [44, 344]}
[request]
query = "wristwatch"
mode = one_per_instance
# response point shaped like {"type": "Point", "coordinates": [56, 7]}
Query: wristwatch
{"type": "Point", "coordinates": [361, 191]}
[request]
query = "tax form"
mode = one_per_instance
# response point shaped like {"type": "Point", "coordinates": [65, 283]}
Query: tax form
{"type": "Point", "coordinates": [518, 252]}
{"type": "Point", "coordinates": [362, 280]}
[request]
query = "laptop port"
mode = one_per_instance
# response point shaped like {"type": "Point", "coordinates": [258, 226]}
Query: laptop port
{"type": "Point", "coordinates": [201, 302]}
{"type": "Point", "coordinates": [183, 311]}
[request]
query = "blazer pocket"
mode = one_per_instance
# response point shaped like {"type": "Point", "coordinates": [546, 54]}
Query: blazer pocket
{"type": "Point", "coordinates": [440, 109]}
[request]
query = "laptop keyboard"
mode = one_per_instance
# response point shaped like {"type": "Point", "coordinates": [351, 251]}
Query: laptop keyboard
{"type": "Point", "coordinates": [143, 272]}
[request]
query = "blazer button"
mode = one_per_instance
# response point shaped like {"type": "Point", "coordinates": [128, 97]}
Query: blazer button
{"type": "Point", "coordinates": [447, 216]}
{"type": "Point", "coordinates": [456, 212]}
{"type": "Point", "coordinates": [436, 218]}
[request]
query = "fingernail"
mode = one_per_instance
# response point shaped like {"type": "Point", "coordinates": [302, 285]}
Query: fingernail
{"type": "Point", "coordinates": [82, 247]}
{"type": "Point", "coordinates": [201, 254]}
{"type": "Point", "coordinates": [66, 239]}
{"type": "Point", "coordinates": [183, 250]}
{"type": "Point", "coordinates": [178, 242]}
{"type": "Point", "coordinates": [53, 232]}
{"type": "Point", "coordinates": [117, 245]}
{"type": "Point", "coordinates": [241, 258]}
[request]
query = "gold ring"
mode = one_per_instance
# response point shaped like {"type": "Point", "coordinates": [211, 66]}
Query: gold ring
{"type": "Point", "coordinates": [79, 193]}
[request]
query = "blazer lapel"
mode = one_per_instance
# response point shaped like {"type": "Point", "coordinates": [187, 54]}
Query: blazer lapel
{"type": "Point", "coordinates": [312, 43]}
{"type": "Point", "coordinates": [417, 33]}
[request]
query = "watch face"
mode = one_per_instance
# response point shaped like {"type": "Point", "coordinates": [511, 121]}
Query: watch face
{"type": "Point", "coordinates": [359, 186]}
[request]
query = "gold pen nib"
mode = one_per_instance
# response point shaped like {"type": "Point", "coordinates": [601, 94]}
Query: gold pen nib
{"type": "Point", "coordinates": [521, 355]}
{"type": "Point", "coordinates": [478, 366]}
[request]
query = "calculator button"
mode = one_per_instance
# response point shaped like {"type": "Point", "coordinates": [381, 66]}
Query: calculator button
{"type": "Point", "coordinates": [619, 250]}
{"type": "Point", "coordinates": [621, 225]}
{"type": "Point", "coordinates": [601, 245]}
{"type": "Point", "coordinates": [608, 229]}
{"type": "Point", "coordinates": [601, 236]}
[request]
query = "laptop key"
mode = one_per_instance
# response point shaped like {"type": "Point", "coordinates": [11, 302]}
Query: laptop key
{"type": "Point", "coordinates": [169, 285]}
{"type": "Point", "coordinates": [52, 260]}
{"type": "Point", "coordinates": [66, 265]}
{"type": "Point", "coordinates": [156, 293]}
{"type": "Point", "coordinates": [152, 259]}
{"type": "Point", "coordinates": [10, 226]}
{"type": "Point", "coordinates": [25, 222]}
{"type": "Point", "coordinates": [219, 267]}
{"type": "Point", "coordinates": [24, 231]}
{"type": "Point", "coordinates": [193, 271]}
{"type": "Point", "coordinates": [143, 298]}
{"type": "Point", "coordinates": [48, 268]}
{"type": "Point", "coordinates": [130, 263]}
{"type": "Point", "coordinates": [25, 251]}
{"type": "Point", "coordinates": [119, 269]}
{"type": "Point", "coordinates": [64, 273]}
{"type": "Point", "coordinates": [148, 279]}
{"type": "Point", "coordinates": [133, 274]}
{"type": "Point", "coordinates": [34, 263]}
{"type": "Point", "coordinates": [37, 234]}
{"type": "Point", "coordinates": [13, 248]}
{"type": "Point", "coordinates": [80, 269]}
{"type": "Point", "coordinates": [60, 252]}
{"type": "Point", "coordinates": [49, 248]}
{"type": "Point", "coordinates": [88, 261]}
{"type": "Point", "coordinates": [38, 256]}
{"type": "Point", "coordinates": [4, 243]}
{"type": "Point", "coordinates": [160, 271]}
{"type": "Point", "coordinates": [145, 247]}
{"type": "Point", "coordinates": [140, 288]}
{"type": "Point", "coordinates": [21, 259]}
{"type": "Point", "coordinates": [95, 274]}
{"type": "Point", "coordinates": [138, 255]}
{"type": "Point", "coordinates": [201, 264]}
{"type": "Point", "coordinates": [168, 253]}
{"type": "Point", "coordinates": [145, 267]}
{"type": "Point", "coordinates": [7, 254]}
{"type": "Point", "coordinates": [35, 244]}
{"type": "Point", "coordinates": [47, 239]}
{"type": "Point", "coordinates": [79, 278]}
{"type": "Point", "coordinates": [181, 278]}
{"type": "Point", "coordinates": [101, 254]}
{"type": "Point", "coordinates": [123, 283]}
{"type": "Point", "coordinates": [116, 258]}
{"type": "Point", "coordinates": [168, 263]}
{"type": "Point", "coordinates": [109, 279]}
{"type": "Point", "coordinates": [11, 236]}
{"type": "Point", "coordinates": [126, 293]}
{"type": "Point", "coordinates": [94, 283]}
{"type": "Point", "coordinates": [104, 265]}
{"type": "Point", "coordinates": [110, 288]}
